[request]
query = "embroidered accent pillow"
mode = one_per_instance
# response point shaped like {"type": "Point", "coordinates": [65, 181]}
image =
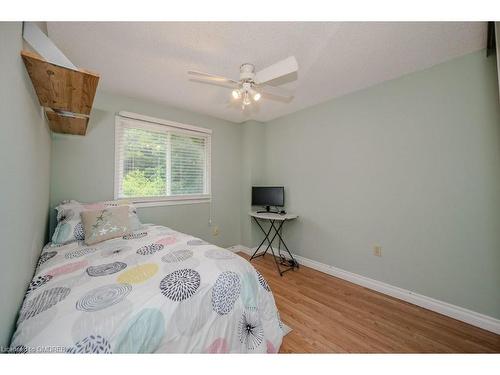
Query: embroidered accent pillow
{"type": "Point", "coordinates": [69, 225]}
{"type": "Point", "coordinates": [104, 224]}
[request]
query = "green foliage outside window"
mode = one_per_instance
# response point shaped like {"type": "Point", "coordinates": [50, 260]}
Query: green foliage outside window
{"type": "Point", "coordinates": [145, 164]}
{"type": "Point", "coordinates": [136, 184]}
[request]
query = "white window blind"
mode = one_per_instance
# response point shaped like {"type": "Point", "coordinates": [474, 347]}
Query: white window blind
{"type": "Point", "coordinates": [158, 161]}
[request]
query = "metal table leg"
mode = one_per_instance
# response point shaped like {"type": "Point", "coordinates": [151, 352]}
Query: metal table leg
{"type": "Point", "coordinates": [272, 250]}
{"type": "Point", "coordinates": [282, 241]}
{"type": "Point", "coordinates": [266, 237]}
{"type": "Point", "coordinates": [277, 231]}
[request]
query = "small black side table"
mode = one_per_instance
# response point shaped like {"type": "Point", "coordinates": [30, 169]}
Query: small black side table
{"type": "Point", "coordinates": [277, 221]}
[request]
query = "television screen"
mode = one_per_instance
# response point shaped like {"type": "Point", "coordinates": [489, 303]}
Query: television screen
{"type": "Point", "coordinates": [268, 196]}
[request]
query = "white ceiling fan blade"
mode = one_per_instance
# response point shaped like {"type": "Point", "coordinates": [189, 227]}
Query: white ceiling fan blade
{"type": "Point", "coordinates": [275, 91]}
{"type": "Point", "coordinates": [281, 68]}
{"type": "Point", "coordinates": [212, 78]}
{"type": "Point", "coordinates": [229, 85]}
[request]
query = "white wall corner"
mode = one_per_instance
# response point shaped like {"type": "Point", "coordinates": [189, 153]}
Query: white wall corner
{"type": "Point", "coordinates": [40, 42]}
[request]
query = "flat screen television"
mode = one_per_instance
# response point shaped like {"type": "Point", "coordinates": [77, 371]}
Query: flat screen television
{"type": "Point", "coordinates": [268, 196]}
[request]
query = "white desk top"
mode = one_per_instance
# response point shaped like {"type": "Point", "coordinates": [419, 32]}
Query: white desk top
{"type": "Point", "coordinates": [272, 216]}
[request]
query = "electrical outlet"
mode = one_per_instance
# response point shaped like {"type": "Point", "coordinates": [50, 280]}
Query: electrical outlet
{"type": "Point", "coordinates": [377, 251]}
{"type": "Point", "coordinates": [215, 230]}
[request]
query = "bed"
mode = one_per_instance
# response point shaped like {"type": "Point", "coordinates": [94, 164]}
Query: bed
{"type": "Point", "coordinates": [154, 290]}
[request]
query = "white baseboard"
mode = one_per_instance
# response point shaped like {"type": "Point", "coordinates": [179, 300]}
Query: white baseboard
{"type": "Point", "coordinates": [456, 312]}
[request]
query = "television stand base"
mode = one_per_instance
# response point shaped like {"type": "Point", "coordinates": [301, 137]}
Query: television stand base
{"type": "Point", "coordinates": [268, 210]}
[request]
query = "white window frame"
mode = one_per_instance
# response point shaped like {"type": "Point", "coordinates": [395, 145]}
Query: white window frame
{"type": "Point", "coordinates": [156, 124]}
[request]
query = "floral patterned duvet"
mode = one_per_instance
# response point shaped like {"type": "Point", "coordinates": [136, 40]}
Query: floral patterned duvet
{"type": "Point", "coordinates": [155, 290]}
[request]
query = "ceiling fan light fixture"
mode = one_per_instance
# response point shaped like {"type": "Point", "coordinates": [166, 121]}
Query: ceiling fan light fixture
{"type": "Point", "coordinates": [246, 99]}
{"type": "Point", "coordinates": [257, 96]}
{"type": "Point", "coordinates": [236, 94]}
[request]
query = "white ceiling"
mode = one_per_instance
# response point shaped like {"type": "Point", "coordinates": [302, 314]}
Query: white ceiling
{"type": "Point", "coordinates": [149, 60]}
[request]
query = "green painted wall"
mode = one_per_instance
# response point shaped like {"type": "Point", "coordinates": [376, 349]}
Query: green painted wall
{"type": "Point", "coordinates": [83, 169]}
{"type": "Point", "coordinates": [253, 149]}
{"type": "Point", "coordinates": [412, 165]}
{"type": "Point", "coordinates": [25, 171]}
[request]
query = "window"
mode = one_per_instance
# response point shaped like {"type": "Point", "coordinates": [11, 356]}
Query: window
{"type": "Point", "coordinates": [161, 162]}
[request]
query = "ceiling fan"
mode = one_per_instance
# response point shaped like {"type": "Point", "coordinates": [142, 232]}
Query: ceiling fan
{"type": "Point", "coordinates": [252, 85]}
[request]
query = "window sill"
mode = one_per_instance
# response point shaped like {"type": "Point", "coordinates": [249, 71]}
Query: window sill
{"type": "Point", "coordinates": [171, 202]}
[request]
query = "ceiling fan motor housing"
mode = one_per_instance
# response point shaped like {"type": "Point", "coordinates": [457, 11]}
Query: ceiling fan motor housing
{"type": "Point", "coordinates": [247, 72]}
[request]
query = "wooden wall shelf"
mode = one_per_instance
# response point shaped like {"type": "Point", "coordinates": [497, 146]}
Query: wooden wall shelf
{"type": "Point", "coordinates": [66, 123]}
{"type": "Point", "coordinates": [66, 94]}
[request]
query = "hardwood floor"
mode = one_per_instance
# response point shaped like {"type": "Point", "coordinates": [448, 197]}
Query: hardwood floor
{"type": "Point", "coordinates": [330, 315]}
